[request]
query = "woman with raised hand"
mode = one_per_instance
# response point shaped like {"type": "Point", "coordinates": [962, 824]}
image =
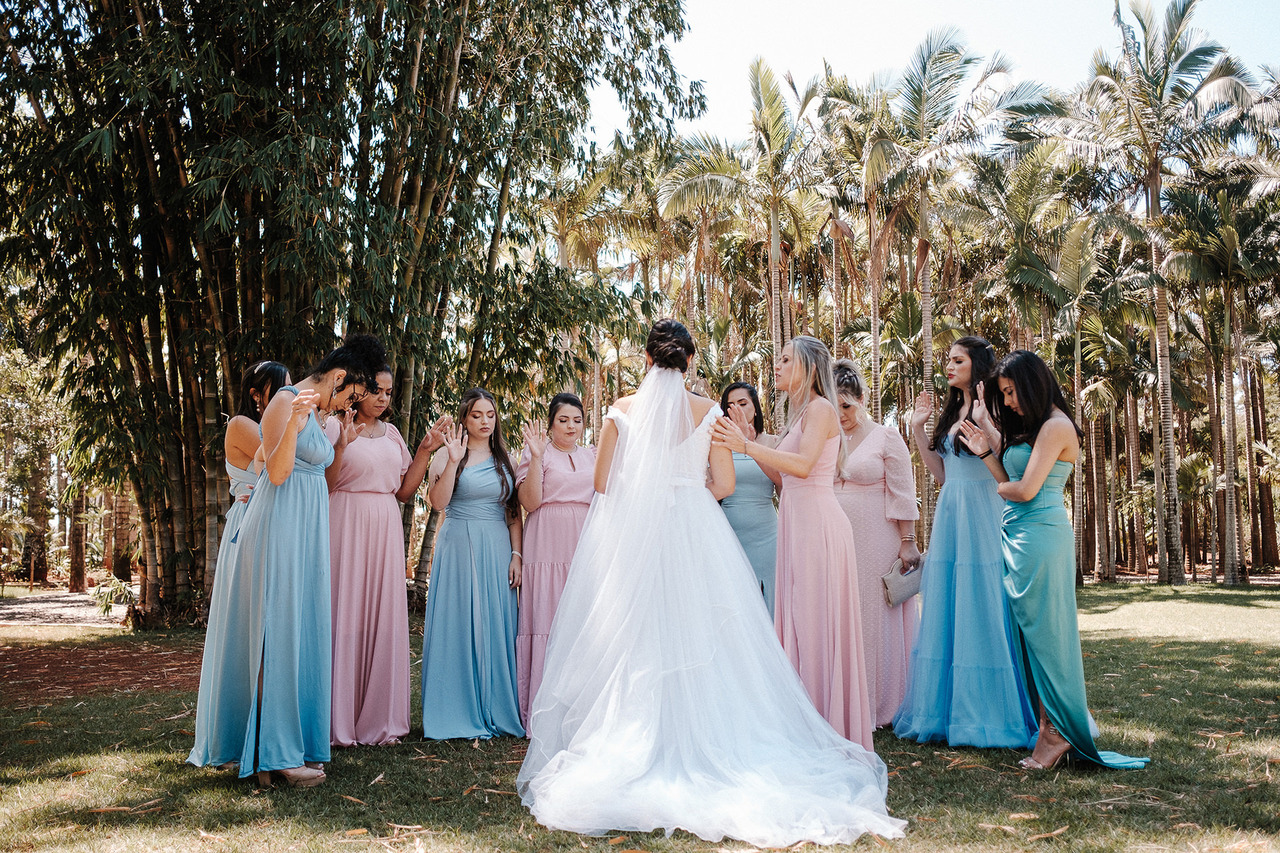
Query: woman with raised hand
{"type": "Point", "coordinates": [555, 481]}
{"type": "Point", "coordinates": [1032, 458]}
{"type": "Point", "coordinates": [221, 665]}
{"type": "Point", "coordinates": [469, 639]}
{"type": "Point", "coordinates": [819, 614]}
{"type": "Point", "coordinates": [371, 474]}
{"type": "Point", "coordinates": [876, 489]}
{"type": "Point", "coordinates": [750, 508]}
{"type": "Point", "coordinates": [276, 713]}
{"type": "Point", "coordinates": [964, 685]}
{"type": "Point", "coordinates": [666, 701]}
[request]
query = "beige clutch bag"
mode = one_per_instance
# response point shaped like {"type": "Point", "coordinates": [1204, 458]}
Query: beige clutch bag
{"type": "Point", "coordinates": [899, 585]}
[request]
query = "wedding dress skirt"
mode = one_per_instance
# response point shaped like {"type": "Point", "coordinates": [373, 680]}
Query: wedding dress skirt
{"type": "Point", "coordinates": [666, 700]}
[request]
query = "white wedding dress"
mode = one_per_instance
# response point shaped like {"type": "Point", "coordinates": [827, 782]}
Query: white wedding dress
{"type": "Point", "coordinates": [666, 700]}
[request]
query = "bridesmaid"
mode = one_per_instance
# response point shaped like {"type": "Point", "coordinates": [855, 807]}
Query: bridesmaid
{"type": "Point", "coordinates": [555, 483]}
{"type": "Point", "coordinates": [964, 685]}
{"type": "Point", "coordinates": [469, 639]}
{"type": "Point", "coordinates": [241, 443]}
{"type": "Point", "coordinates": [876, 489]}
{"type": "Point", "coordinates": [1040, 443]}
{"type": "Point", "coordinates": [819, 617]}
{"type": "Point", "coordinates": [750, 508]}
{"type": "Point", "coordinates": [274, 720]}
{"type": "Point", "coordinates": [371, 471]}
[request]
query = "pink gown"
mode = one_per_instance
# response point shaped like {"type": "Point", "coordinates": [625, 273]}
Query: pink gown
{"type": "Point", "coordinates": [550, 537]}
{"type": "Point", "coordinates": [818, 615]}
{"type": "Point", "coordinates": [876, 489]}
{"type": "Point", "coordinates": [370, 604]}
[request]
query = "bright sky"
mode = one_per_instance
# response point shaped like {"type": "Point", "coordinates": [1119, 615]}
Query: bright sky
{"type": "Point", "coordinates": [1047, 40]}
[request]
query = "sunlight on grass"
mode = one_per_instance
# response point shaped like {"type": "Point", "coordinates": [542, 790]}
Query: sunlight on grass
{"type": "Point", "coordinates": [1174, 674]}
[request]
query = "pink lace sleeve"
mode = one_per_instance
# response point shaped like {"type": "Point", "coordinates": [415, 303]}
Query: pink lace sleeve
{"type": "Point", "coordinates": [899, 479]}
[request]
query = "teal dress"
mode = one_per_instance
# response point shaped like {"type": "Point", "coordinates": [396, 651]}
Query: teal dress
{"type": "Point", "coordinates": [275, 624]}
{"type": "Point", "coordinates": [964, 683]}
{"type": "Point", "coordinates": [1039, 579]}
{"type": "Point", "coordinates": [754, 519]}
{"type": "Point", "coordinates": [469, 638]}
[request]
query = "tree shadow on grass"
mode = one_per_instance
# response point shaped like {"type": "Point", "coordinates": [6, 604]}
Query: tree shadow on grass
{"type": "Point", "coordinates": [1104, 598]}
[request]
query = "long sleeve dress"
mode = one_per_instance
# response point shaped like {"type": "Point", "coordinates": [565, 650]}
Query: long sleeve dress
{"type": "Point", "coordinates": [877, 489]}
{"type": "Point", "coordinates": [370, 601]}
{"type": "Point", "coordinates": [819, 614]}
{"type": "Point", "coordinates": [550, 537]}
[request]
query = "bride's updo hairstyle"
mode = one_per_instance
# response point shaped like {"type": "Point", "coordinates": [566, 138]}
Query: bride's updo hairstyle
{"type": "Point", "coordinates": [670, 345]}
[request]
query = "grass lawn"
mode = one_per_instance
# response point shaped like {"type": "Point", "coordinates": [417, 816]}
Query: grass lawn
{"type": "Point", "coordinates": [1190, 677]}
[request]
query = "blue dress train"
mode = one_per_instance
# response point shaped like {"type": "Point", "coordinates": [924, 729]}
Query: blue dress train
{"type": "Point", "coordinates": [965, 683]}
{"type": "Point", "coordinates": [469, 638]}
{"type": "Point", "coordinates": [273, 622]}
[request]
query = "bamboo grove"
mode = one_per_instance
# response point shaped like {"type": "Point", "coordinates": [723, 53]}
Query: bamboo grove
{"type": "Point", "coordinates": [192, 187]}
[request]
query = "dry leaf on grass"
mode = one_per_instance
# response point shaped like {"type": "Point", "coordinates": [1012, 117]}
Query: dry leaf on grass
{"type": "Point", "coordinates": [360, 831]}
{"type": "Point", "coordinates": [1023, 816]}
{"type": "Point", "coordinates": [353, 799]}
{"type": "Point", "coordinates": [1057, 831]}
{"type": "Point", "coordinates": [620, 839]}
{"type": "Point", "coordinates": [378, 779]}
{"type": "Point", "coordinates": [1000, 826]}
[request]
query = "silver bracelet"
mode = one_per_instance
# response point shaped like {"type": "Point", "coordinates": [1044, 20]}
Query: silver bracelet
{"type": "Point", "coordinates": [516, 553]}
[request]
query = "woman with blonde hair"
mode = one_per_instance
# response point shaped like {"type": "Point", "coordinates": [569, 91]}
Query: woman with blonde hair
{"type": "Point", "coordinates": [818, 614]}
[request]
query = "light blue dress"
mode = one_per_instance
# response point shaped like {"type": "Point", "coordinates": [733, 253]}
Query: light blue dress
{"type": "Point", "coordinates": [754, 519]}
{"type": "Point", "coordinates": [965, 684]}
{"type": "Point", "coordinates": [276, 622]}
{"type": "Point", "coordinates": [222, 666]}
{"type": "Point", "coordinates": [469, 638]}
{"type": "Point", "coordinates": [1040, 580]}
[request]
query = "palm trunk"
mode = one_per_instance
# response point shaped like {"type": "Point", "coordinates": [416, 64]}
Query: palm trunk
{"type": "Point", "coordinates": [926, 337]}
{"type": "Point", "coordinates": [1104, 565]}
{"type": "Point", "coordinates": [1138, 560]}
{"type": "Point", "coordinates": [1077, 484]}
{"type": "Point", "coordinates": [1252, 488]}
{"type": "Point", "coordinates": [1231, 545]}
{"type": "Point", "coordinates": [775, 303]}
{"type": "Point", "coordinates": [75, 540]}
{"type": "Point", "coordinates": [1168, 518]}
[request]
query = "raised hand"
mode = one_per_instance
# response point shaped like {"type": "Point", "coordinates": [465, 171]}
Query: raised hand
{"type": "Point", "coordinates": [304, 404]}
{"type": "Point", "coordinates": [535, 438]}
{"type": "Point", "coordinates": [436, 436]}
{"type": "Point", "coordinates": [348, 429]}
{"type": "Point", "coordinates": [455, 443]}
{"type": "Point", "coordinates": [923, 410]}
{"type": "Point", "coordinates": [975, 438]}
{"type": "Point", "coordinates": [978, 411]}
{"type": "Point", "coordinates": [738, 414]}
{"type": "Point", "coordinates": [725, 433]}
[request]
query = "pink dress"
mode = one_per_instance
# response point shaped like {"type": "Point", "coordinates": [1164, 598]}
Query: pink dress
{"type": "Point", "coordinates": [818, 615]}
{"type": "Point", "coordinates": [550, 537]}
{"type": "Point", "coordinates": [370, 605]}
{"type": "Point", "coordinates": [876, 489]}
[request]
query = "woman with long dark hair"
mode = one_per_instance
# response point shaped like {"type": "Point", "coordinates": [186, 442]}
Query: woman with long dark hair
{"type": "Point", "coordinates": [964, 685]}
{"type": "Point", "coordinates": [555, 481]}
{"type": "Point", "coordinates": [750, 508]}
{"type": "Point", "coordinates": [666, 701]}
{"type": "Point", "coordinates": [469, 639]}
{"type": "Point", "coordinates": [371, 475]}
{"type": "Point", "coordinates": [1038, 444]}
{"type": "Point", "coordinates": [275, 710]}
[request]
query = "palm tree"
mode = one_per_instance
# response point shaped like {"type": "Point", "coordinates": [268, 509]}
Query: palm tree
{"type": "Point", "coordinates": [1146, 111]}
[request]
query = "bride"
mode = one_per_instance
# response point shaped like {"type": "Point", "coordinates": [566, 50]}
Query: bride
{"type": "Point", "coordinates": [667, 701]}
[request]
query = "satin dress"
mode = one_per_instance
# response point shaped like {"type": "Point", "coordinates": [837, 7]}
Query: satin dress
{"type": "Point", "coordinates": [1040, 580]}
{"type": "Point", "coordinates": [754, 519]}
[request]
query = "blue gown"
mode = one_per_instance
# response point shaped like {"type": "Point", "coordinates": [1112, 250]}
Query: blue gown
{"type": "Point", "coordinates": [754, 519]}
{"type": "Point", "coordinates": [1040, 580]}
{"type": "Point", "coordinates": [965, 684]}
{"type": "Point", "coordinates": [469, 638]}
{"type": "Point", "coordinates": [276, 623]}
{"type": "Point", "coordinates": [221, 667]}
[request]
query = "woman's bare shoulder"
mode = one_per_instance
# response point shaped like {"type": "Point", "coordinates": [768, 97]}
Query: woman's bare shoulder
{"type": "Point", "coordinates": [701, 405]}
{"type": "Point", "coordinates": [623, 404]}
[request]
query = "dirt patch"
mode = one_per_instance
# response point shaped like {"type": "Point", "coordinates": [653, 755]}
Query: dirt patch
{"type": "Point", "coordinates": [36, 675]}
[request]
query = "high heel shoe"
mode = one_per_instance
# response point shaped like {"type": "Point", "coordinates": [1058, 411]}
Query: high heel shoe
{"type": "Point", "coordinates": [294, 777]}
{"type": "Point", "coordinates": [1059, 750]}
